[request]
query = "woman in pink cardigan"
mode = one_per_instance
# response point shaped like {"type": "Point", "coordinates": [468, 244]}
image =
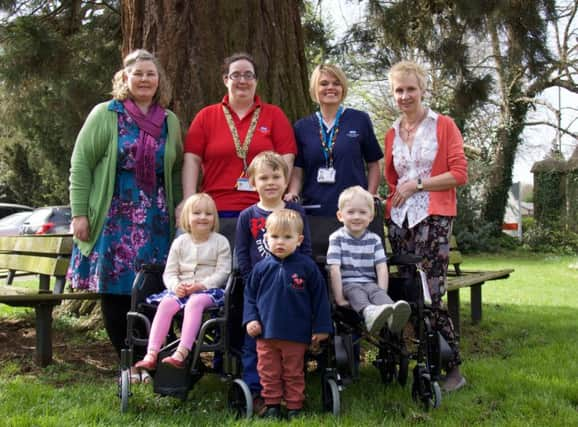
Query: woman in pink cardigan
{"type": "Point", "coordinates": [424, 163]}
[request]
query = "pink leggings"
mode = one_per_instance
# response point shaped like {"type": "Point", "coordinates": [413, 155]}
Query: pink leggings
{"type": "Point", "coordinates": [168, 307]}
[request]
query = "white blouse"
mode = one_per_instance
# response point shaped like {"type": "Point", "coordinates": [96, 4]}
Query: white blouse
{"type": "Point", "coordinates": [413, 164]}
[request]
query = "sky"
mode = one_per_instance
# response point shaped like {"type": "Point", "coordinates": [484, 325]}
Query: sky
{"type": "Point", "coordinates": [537, 139]}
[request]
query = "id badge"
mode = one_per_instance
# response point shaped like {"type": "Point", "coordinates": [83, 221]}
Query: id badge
{"type": "Point", "coordinates": [326, 175]}
{"type": "Point", "coordinates": [244, 185]}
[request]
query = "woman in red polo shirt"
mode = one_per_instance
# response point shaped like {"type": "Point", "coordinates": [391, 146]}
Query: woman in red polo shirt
{"type": "Point", "coordinates": [424, 163]}
{"type": "Point", "coordinates": [223, 139]}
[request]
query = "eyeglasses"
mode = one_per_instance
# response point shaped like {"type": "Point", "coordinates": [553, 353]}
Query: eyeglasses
{"type": "Point", "coordinates": [248, 75]}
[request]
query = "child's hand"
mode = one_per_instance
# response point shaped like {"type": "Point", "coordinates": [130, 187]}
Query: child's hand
{"type": "Point", "coordinates": [254, 328]}
{"type": "Point", "coordinates": [342, 302]}
{"type": "Point", "coordinates": [181, 290]}
{"type": "Point", "coordinates": [317, 338]}
{"type": "Point", "coordinates": [195, 287]}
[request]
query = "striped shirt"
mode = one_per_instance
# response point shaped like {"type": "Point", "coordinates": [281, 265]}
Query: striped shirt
{"type": "Point", "coordinates": [356, 256]}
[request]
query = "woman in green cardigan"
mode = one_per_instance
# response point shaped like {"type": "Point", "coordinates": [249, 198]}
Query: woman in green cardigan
{"type": "Point", "coordinates": [124, 184]}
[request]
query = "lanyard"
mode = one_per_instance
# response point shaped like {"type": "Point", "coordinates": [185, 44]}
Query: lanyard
{"type": "Point", "coordinates": [328, 139]}
{"type": "Point", "coordinates": [242, 150]}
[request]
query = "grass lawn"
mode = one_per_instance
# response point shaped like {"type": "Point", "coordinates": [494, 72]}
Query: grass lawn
{"type": "Point", "coordinates": [520, 363]}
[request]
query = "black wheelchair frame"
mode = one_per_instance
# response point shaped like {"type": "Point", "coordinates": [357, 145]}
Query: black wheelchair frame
{"type": "Point", "coordinates": [220, 332]}
{"type": "Point", "coordinates": [428, 349]}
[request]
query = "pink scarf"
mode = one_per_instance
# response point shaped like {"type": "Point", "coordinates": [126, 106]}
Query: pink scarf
{"type": "Point", "coordinates": [151, 126]}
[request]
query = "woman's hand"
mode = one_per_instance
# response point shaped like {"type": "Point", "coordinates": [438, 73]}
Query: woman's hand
{"type": "Point", "coordinates": [80, 228]}
{"type": "Point", "coordinates": [291, 197]}
{"type": "Point", "coordinates": [403, 192]}
{"type": "Point", "coordinates": [254, 328]}
{"type": "Point", "coordinates": [195, 287]}
{"type": "Point", "coordinates": [181, 290]}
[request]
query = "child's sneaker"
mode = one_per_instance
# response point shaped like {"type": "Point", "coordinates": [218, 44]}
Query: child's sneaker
{"type": "Point", "coordinates": [375, 316]}
{"type": "Point", "coordinates": [400, 316]}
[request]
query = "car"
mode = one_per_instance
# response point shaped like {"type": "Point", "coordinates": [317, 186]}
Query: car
{"type": "Point", "coordinates": [10, 208]}
{"type": "Point", "coordinates": [48, 220]}
{"type": "Point", "coordinates": [10, 225]}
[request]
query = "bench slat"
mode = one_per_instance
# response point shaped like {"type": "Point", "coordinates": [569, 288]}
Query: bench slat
{"type": "Point", "coordinates": [50, 244]}
{"type": "Point", "coordinates": [469, 278]}
{"type": "Point", "coordinates": [27, 297]}
{"type": "Point", "coordinates": [35, 264]}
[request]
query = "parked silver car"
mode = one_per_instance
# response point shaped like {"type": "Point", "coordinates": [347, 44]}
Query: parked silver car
{"type": "Point", "coordinates": [10, 208]}
{"type": "Point", "coordinates": [10, 225]}
{"type": "Point", "coordinates": [48, 220]}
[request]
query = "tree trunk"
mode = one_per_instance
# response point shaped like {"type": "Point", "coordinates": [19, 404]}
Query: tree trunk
{"type": "Point", "coordinates": [191, 39]}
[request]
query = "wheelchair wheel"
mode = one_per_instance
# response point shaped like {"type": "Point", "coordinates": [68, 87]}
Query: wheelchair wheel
{"type": "Point", "coordinates": [124, 389]}
{"type": "Point", "coordinates": [330, 396]}
{"type": "Point", "coordinates": [425, 390]}
{"type": "Point", "coordinates": [240, 399]}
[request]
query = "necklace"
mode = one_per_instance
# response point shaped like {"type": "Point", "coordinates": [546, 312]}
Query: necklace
{"type": "Point", "coordinates": [411, 129]}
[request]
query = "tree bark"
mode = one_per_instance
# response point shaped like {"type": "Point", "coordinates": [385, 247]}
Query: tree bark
{"type": "Point", "coordinates": [191, 39]}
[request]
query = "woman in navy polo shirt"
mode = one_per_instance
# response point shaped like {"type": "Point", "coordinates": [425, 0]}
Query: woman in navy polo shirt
{"type": "Point", "coordinates": [335, 146]}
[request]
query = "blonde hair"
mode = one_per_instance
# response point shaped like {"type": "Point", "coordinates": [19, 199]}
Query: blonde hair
{"type": "Point", "coordinates": [332, 70]}
{"type": "Point", "coordinates": [284, 219]}
{"type": "Point", "coordinates": [270, 159]}
{"type": "Point", "coordinates": [350, 193]}
{"type": "Point", "coordinates": [408, 68]}
{"type": "Point", "coordinates": [190, 204]}
{"type": "Point", "coordinates": [120, 89]}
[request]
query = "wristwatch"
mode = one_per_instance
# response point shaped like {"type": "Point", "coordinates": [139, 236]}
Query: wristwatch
{"type": "Point", "coordinates": [419, 184]}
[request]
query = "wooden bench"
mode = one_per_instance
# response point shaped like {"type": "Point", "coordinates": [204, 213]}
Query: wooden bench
{"type": "Point", "coordinates": [458, 279]}
{"type": "Point", "coordinates": [48, 257]}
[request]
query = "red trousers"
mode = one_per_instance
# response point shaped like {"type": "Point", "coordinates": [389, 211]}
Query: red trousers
{"type": "Point", "coordinates": [280, 366]}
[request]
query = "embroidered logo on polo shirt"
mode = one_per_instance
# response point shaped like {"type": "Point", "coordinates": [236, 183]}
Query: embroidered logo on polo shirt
{"type": "Point", "coordinates": [352, 134]}
{"type": "Point", "coordinates": [264, 129]}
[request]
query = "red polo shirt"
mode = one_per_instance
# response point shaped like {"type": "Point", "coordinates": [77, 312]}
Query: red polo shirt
{"type": "Point", "coordinates": [209, 138]}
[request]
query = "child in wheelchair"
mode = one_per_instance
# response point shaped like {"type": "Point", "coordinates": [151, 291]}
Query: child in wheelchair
{"type": "Point", "coordinates": [358, 265]}
{"type": "Point", "coordinates": [197, 269]}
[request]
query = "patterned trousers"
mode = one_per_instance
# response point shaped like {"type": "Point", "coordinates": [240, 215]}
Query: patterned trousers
{"type": "Point", "coordinates": [430, 240]}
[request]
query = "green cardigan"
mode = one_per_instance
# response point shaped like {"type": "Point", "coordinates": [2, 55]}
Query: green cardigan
{"type": "Point", "coordinates": [93, 169]}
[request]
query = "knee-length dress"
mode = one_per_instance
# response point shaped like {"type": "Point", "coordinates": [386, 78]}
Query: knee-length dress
{"type": "Point", "coordinates": [136, 229]}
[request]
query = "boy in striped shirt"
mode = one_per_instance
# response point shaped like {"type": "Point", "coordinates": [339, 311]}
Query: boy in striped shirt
{"type": "Point", "coordinates": [358, 265]}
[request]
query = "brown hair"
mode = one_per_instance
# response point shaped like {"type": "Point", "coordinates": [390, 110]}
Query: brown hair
{"type": "Point", "coordinates": [238, 57]}
{"type": "Point", "coordinates": [267, 158]}
{"type": "Point", "coordinates": [120, 87]}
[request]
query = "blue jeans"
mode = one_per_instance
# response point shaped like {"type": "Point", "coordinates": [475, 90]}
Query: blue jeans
{"type": "Point", "coordinates": [249, 361]}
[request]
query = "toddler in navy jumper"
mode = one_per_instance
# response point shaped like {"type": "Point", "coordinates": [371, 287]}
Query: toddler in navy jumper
{"type": "Point", "coordinates": [286, 309]}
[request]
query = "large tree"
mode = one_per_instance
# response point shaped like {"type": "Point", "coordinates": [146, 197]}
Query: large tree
{"type": "Point", "coordinates": [191, 38]}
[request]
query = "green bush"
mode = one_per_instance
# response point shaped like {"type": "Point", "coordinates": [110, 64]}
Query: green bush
{"type": "Point", "coordinates": [551, 239]}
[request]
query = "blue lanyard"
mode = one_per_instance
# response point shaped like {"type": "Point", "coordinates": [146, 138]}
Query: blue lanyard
{"type": "Point", "coordinates": [328, 139]}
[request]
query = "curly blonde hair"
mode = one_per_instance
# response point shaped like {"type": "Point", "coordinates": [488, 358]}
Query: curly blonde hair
{"type": "Point", "coordinates": [120, 87]}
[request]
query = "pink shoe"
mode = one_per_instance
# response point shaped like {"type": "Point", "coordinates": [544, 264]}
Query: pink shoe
{"type": "Point", "coordinates": [147, 365]}
{"type": "Point", "coordinates": [175, 363]}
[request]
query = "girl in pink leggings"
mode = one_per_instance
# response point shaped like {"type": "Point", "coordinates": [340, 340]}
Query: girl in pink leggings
{"type": "Point", "coordinates": [197, 269]}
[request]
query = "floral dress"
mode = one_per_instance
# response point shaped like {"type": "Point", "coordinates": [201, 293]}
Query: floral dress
{"type": "Point", "coordinates": [136, 230]}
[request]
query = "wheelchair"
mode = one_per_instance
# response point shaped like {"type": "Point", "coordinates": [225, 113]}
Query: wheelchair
{"type": "Point", "coordinates": [426, 348]}
{"type": "Point", "coordinates": [220, 333]}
